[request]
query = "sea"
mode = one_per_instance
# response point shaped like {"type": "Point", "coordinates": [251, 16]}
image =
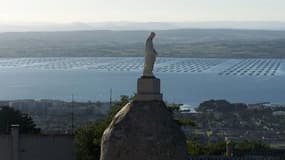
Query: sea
{"type": "Point", "coordinates": [183, 80]}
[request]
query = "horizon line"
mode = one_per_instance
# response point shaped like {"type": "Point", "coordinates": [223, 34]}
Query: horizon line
{"type": "Point", "coordinates": [127, 21]}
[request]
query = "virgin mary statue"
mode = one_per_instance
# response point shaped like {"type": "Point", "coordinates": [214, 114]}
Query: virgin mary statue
{"type": "Point", "coordinates": [149, 56]}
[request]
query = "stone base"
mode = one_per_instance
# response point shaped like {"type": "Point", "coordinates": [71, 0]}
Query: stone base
{"type": "Point", "coordinates": [143, 130]}
{"type": "Point", "coordinates": [148, 89]}
{"type": "Point", "coordinates": [148, 97]}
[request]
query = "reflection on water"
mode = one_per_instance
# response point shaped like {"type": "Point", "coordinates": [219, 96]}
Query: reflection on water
{"type": "Point", "coordinates": [184, 80]}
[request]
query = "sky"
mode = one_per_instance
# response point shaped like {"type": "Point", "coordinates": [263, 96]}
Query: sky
{"type": "Point", "coordinates": [66, 11]}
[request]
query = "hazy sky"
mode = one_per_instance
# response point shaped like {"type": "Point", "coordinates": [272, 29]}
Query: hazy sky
{"type": "Point", "coordinates": [140, 10]}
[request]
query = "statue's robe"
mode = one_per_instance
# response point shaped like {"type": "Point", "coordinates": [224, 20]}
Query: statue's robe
{"type": "Point", "coordinates": [149, 58]}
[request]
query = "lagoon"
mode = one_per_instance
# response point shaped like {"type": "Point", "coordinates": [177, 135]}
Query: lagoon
{"type": "Point", "coordinates": [184, 80]}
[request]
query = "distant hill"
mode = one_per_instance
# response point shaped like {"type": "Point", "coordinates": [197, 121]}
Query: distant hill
{"type": "Point", "coordinates": [134, 26]}
{"type": "Point", "coordinates": [219, 43]}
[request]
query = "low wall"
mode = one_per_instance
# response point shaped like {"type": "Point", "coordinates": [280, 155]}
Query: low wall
{"type": "Point", "coordinates": [233, 158]}
{"type": "Point", "coordinates": [46, 148]}
{"type": "Point", "coordinates": [36, 147]}
{"type": "Point", "coordinates": [5, 147]}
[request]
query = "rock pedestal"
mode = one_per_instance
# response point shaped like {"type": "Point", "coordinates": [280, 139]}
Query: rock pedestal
{"type": "Point", "coordinates": [144, 129]}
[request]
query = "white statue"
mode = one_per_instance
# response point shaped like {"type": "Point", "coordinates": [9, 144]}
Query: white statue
{"type": "Point", "coordinates": [149, 56]}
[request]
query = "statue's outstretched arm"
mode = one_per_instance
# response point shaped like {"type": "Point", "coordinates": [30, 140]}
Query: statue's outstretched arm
{"type": "Point", "coordinates": [154, 51]}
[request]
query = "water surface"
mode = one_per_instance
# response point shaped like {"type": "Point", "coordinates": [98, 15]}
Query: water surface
{"type": "Point", "coordinates": [184, 80]}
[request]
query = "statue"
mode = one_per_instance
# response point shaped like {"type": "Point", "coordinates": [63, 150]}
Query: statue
{"type": "Point", "coordinates": [149, 57]}
{"type": "Point", "coordinates": [128, 139]}
{"type": "Point", "coordinates": [148, 86]}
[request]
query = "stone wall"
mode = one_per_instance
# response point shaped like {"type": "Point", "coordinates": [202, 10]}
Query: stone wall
{"type": "Point", "coordinates": [37, 147]}
{"type": "Point", "coordinates": [5, 147]}
{"type": "Point", "coordinates": [233, 158]}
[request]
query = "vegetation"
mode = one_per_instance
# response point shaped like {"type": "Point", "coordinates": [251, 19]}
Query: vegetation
{"type": "Point", "coordinates": [218, 43]}
{"type": "Point", "coordinates": [219, 148]}
{"type": "Point", "coordinates": [184, 122]}
{"type": "Point", "coordinates": [217, 118]}
{"type": "Point", "coordinates": [10, 116]}
{"type": "Point", "coordinates": [88, 137]}
{"type": "Point", "coordinates": [174, 108]}
{"type": "Point", "coordinates": [221, 106]}
{"type": "Point", "coordinates": [247, 146]}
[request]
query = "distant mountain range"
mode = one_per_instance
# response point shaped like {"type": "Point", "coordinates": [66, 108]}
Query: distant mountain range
{"type": "Point", "coordinates": [78, 26]}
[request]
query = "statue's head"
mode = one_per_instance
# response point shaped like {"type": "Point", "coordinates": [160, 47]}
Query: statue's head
{"type": "Point", "coordinates": [152, 35]}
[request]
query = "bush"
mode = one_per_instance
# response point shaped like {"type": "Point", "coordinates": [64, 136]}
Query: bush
{"type": "Point", "coordinates": [9, 116]}
{"type": "Point", "coordinates": [219, 148]}
{"type": "Point", "coordinates": [88, 137]}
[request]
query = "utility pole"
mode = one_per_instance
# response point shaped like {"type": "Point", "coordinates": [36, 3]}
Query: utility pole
{"type": "Point", "coordinates": [72, 116]}
{"type": "Point", "coordinates": [110, 98]}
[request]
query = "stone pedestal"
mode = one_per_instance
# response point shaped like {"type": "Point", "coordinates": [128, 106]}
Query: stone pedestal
{"type": "Point", "coordinates": [143, 130]}
{"type": "Point", "coordinates": [148, 89]}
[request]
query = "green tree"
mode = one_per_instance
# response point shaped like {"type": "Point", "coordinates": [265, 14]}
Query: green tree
{"type": "Point", "coordinates": [88, 137]}
{"type": "Point", "coordinates": [247, 146]}
{"type": "Point", "coordinates": [184, 122]}
{"type": "Point", "coordinates": [218, 148]}
{"type": "Point", "coordinates": [180, 120]}
{"type": "Point", "coordinates": [194, 149]}
{"type": "Point", "coordinates": [173, 107]}
{"type": "Point", "coordinates": [9, 116]}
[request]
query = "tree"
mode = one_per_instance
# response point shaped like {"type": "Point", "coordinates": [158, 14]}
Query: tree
{"type": "Point", "coordinates": [247, 146]}
{"type": "Point", "coordinates": [219, 148]}
{"type": "Point", "coordinates": [9, 116]}
{"type": "Point", "coordinates": [88, 140]}
{"type": "Point", "coordinates": [88, 137]}
{"type": "Point", "coordinates": [173, 107]}
{"type": "Point", "coordinates": [194, 149]}
{"type": "Point", "coordinates": [184, 122]}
